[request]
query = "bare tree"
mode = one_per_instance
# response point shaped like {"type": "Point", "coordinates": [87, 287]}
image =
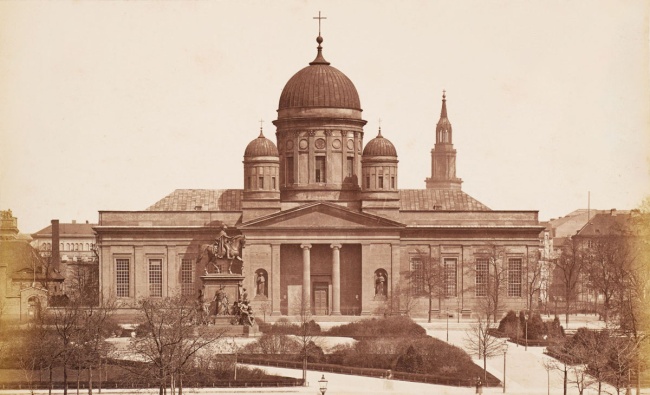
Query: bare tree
{"type": "Point", "coordinates": [171, 340]}
{"type": "Point", "coordinates": [478, 341]}
{"type": "Point", "coordinates": [64, 322]}
{"type": "Point", "coordinates": [534, 280]}
{"type": "Point", "coordinates": [95, 325]}
{"type": "Point", "coordinates": [431, 274]}
{"type": "Point", "coordinates": [491, 276]}
{"type": "Point", "coordinates": [562, 367]}
{"type": "Point", "coordinates": [402, 300]}
{"type": "Point", "coordinates": [569, 265]}
{"type": "Point", "coordinates": [308, 333]}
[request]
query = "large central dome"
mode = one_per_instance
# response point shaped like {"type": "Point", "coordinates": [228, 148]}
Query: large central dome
{"type": "Point", "coordinates": [319, 85]}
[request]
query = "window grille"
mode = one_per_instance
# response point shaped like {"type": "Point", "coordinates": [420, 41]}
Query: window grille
{"type": "Point", "coordinates": [417, 277]}
{"type": "Point", "coordinates": [187, 277]}
{"type": "Point", "coordinates": [450, 276]}
{"type": "Point", "coordinates": [514, 277]}
{"type": "Point", "coordinates": [122, 280]}
{"type": "Point", "coordinates": [155, 278]}
{"type": "Point", "coordinates": [482, 273]}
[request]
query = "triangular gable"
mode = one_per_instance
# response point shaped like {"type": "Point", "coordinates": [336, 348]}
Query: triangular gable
{"type": "Point", "coordinates": [321, 215]}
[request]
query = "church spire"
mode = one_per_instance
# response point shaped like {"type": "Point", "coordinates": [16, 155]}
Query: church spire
{"type": "Point", "coordinates": [443, 154]}
{"type": "Point", "coordinates": [443, 128]}
{"type": "Point", "coordinates": [443, 111]}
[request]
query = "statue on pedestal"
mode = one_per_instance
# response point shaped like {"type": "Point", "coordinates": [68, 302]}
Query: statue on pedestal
{"type": "Point", "coordinates": [224, 247]}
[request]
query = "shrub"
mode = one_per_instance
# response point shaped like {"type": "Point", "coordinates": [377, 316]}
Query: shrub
{"type": "Point", "coordinates": [510, 324]}
{"type": "Point", "coordinates": [410, 361]}
{"type": "Point", "coordinates": [388, 326]}
{"type": "Point", "coordinates": [285, 327]}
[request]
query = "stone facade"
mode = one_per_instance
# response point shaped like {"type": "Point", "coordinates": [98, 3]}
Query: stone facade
{"type": "Point", "coordinates": [324, 221]}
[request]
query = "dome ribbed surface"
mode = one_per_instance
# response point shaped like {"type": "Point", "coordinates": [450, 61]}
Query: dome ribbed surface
{"type": "Point", "coordinates": [261, 146]}
{"type": "Point", "coordinates": [379, 146]}
{"type": "Point", "coordinates": [319, 85]}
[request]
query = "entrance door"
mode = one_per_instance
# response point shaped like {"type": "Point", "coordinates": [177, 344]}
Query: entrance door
{"type": "Point", "coordinates": [320, 299]}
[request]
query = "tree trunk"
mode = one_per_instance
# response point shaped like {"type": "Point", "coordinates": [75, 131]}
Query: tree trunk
{"type": "Point", "coordinates": [90, 379]}
{"type": "Point", "coordinates": [180, 384]}
{"type": "Point", "coordinates": [430, 305]}
{"type": "Point", "coordinates": [49, 391]}
{"type": "Point", "coordinates": [78, 379]}
{"type": "Point", "coordinates": [65, 378]}
{"type": "Point", "coordinates": [565, 379]}
{"type": "Point", "coordinates": [484, 367]}
{"type": "Point", "coordinates": [567, 305]}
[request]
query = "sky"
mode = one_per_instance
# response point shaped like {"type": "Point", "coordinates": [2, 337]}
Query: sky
{"type": "Point", "coordinates": [112, 105]}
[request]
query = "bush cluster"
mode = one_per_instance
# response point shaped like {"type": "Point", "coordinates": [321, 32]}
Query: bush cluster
{"type": "Point", "coordinates": [388, 326]}
{"type": "Point", "coordinates": [285, 327]}
{"type": "Point", "coordinates": [515, 327]}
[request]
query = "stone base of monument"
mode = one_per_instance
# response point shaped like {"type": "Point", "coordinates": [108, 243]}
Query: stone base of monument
{"type": "Point", "coordinates": [223, 322]}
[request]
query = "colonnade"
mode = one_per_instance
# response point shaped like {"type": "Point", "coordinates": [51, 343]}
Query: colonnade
{"type": "Point", "coordinates": [336, 277]}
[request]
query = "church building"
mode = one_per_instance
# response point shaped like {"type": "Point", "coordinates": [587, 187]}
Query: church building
{"type": "Point", "coordinates": [321, 223]}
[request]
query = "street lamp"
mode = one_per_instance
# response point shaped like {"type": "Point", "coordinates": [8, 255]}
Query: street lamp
{"type": "Point", "coordinates": [526, 325]}
{"type": "Point", "coordinates": [505, 351]}
{"type": "Point", "coordinates": [322, 385]}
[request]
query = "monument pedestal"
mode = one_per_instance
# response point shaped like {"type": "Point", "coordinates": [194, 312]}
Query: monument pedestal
{"type": "Point", "coordinates": [231, 284]}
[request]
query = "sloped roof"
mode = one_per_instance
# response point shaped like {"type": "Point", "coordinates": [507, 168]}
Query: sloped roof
{"type": "Point", "coordinates": [230, 200]}
{"type": "Point", "coordinates": [438, 199]}
{"type": "Point", "coordinates": [81, 229]}
{"type": "Point", "coordinates": [200, 199]}
{"type": "Point", "coordinates": [604, 224]}
{"type": "Point", "coordinates": [21, 259]}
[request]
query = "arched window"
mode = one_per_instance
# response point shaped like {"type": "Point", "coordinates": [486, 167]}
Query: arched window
{"type": "Point", "coordinates": [61, 247]}
{"type": "Point", "coordinates": [261, 283]}
{"type": "Point", "coordinates": [67, 247]}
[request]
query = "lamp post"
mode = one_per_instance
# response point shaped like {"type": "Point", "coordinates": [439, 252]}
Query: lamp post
{"type": "Point", "coordinates": [505, 351]}
{"type": "Point", "coordinates": [322, 385]}
{"type": "Point", "coordinates": [526, 325]}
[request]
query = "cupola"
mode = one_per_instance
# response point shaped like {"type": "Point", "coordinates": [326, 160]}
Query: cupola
{"type": "Point", "coordinates": [319, 135]}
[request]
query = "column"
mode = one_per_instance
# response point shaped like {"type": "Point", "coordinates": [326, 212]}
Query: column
{"type": "Point", "coordinates": [274, 278]}
{"type": "Point", "coordinates": [305, 305]}
{"type": "Point", "coordinates": [336, 279]}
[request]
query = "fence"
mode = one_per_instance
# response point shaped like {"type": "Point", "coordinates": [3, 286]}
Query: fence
{"type": "Point", "coordinates": [39, 385]}
{"type": "Point", "coordinates": [369, 372]}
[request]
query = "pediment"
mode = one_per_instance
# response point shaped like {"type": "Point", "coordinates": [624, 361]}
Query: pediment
{"type": "Point", "coordinates": [321, 216]}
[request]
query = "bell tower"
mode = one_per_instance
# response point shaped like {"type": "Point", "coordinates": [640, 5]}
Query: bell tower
{"type": "Point", "coordinates": [443, 155]}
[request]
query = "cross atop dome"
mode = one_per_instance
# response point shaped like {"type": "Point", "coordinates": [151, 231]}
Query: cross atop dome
{"type": "Point", "coordinates": [319, 57]}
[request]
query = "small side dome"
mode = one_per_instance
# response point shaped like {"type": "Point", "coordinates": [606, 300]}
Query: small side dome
{"type": "Point", "coordinates": [261, 146]}
{"type": "Point", "coordinates": [379, 146]}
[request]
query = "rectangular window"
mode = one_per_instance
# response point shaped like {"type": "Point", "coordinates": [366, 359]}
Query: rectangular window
{"type": "Point", "coordinates": [290, 179]}
{"type": "Point", "coordinates": [155, 278]}
{"type": "Point", "coordinates": [450, 276]}
{"type": "Point", "coordinates": [320, 169]}
{"type": "Point", "coordinates": [349, 166]}
{"type": "Point", "coordinates": [250, 182]}
{"type": "Point", "coordinates": [417, 277]}
{"type": "Point", "coordinates": [392, 183]}
{"type": "Point", "coordinates": [187, 277]}
{"type": "Point", "coordinates": [514, 277]}
{"type": "Point", "coordinates": [273, 183]}
{"type": "Point", "coordinates": [482, 273]}
{"type": "Point", "coordinates": [260, 183]}
{"type": "Point", "coordinates": [380, 182]}
{"type": "Point", "coordinates": [122, 280]}
{"type": "Point", "coordinates": [368, 182]}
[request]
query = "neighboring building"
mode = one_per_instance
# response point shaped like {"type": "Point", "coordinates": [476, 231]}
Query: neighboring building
{"type": "Point", "coordinates": [26, 279]}
{"type": "Point", "coordinates": [71, 248]}
{"type": "Point", "coordinates": [324, 221]}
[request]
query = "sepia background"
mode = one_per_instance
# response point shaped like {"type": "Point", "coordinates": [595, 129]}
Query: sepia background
{"type": "Point", "coordinates": [112, 105]}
